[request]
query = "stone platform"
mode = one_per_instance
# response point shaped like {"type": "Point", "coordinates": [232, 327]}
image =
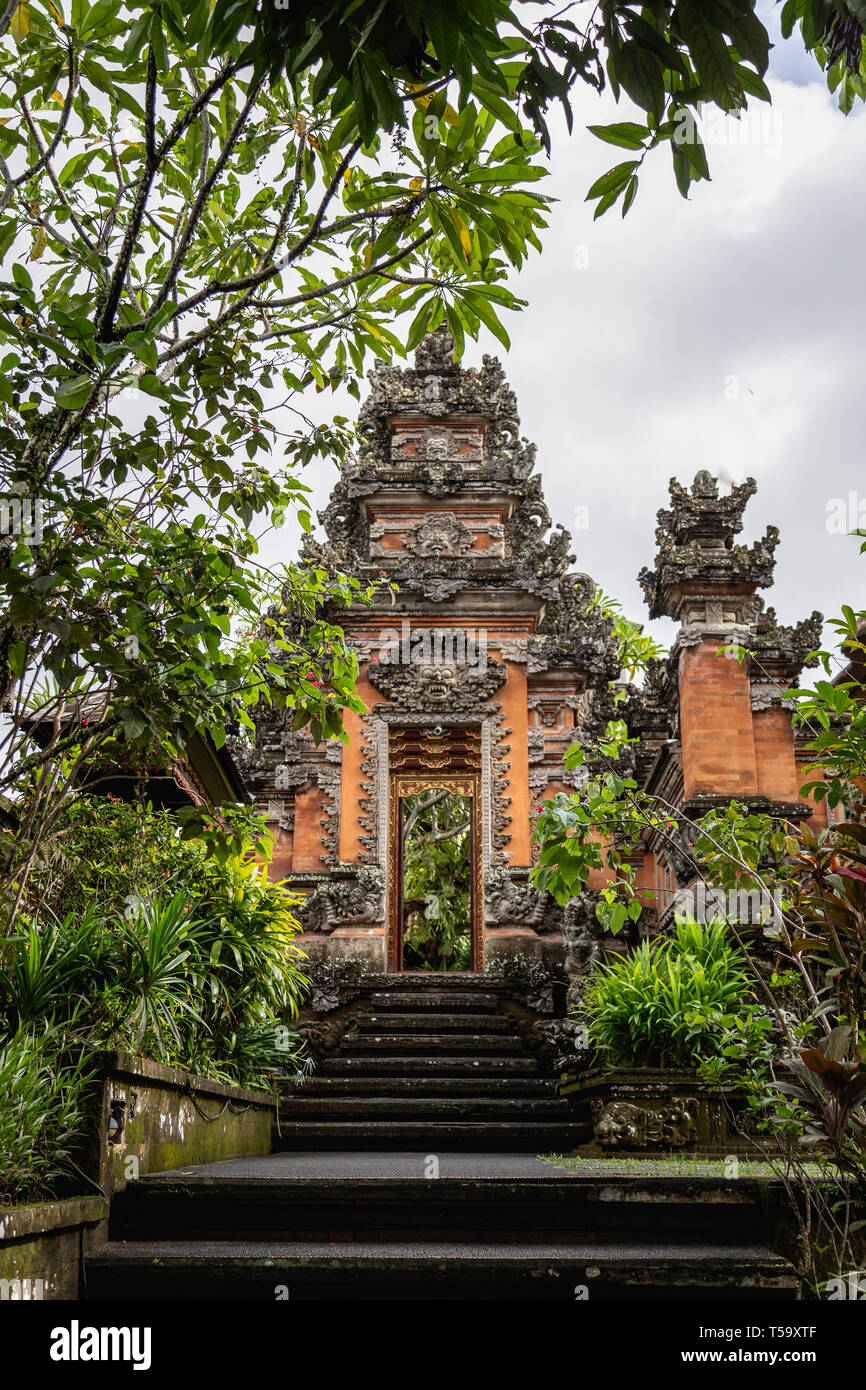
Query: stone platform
{"type": "Point", "coordinates": [381, 1226]}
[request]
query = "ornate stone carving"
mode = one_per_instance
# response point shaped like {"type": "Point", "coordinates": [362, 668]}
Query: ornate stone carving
{"type": "Point", "coordinates": [696, 551]}
{"type": "Point", "coordinates": [514, 649]}
{"type": "Point", "coordinates": [575, 634]}
{"type": "Point", "coordinates": [415, 445]}
{"type": "Point", "coordinates": [334, 983]}
{"type": "Point", "coordinates": [780, 652]}
{"type": "Point", "coordinates": [346, 903]}
{"type": "Point", "coordinates": [424, 580]}
{"type": "Point", "coordinates": [440, 533]}
{"type": "Point", "coordinates": [507, 903]}
{"type": "Point", "coordinates": [622, 1125]}
{"type": "Point", "coordinates": [439, 685]}
{"type": "Point", "coordinates": [530, 979]}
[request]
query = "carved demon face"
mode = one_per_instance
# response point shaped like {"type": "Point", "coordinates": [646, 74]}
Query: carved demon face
{"type": "Point", "coordinates": [436, 683]}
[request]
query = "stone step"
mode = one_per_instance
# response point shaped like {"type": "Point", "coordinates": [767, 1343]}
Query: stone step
{"type": "Point", "coordinates": [434, 1270]}
{"type": "Point", "coordinates": [420, 1065]}
{"type": "Point", "coordinates": [421, 1108]}
{"type": "Point", "coordinates": [394, 1021]}
{"type": "Point", "coordinates": [454, 981]}
{"type": "Point", "coordinates": [372, 1043]}
{"type": "Point", "coordinates": [400, 1085]}
{"type": "Point", "coordinates": [555, 1208]}
{"type": "Point", "coordinates": [412, 1000]}
{"type": "Point", "coordinates": [434, 1135]}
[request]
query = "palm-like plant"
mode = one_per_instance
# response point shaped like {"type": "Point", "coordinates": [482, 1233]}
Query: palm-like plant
{"type": "Point", "coordinates": [247, 961]}
{"type": "Point", "coordinates": [52, 970]}
{"type": "Point", "coordinates": [42, 1095]}
{"type": "Point", "coordinates": [157, 945]}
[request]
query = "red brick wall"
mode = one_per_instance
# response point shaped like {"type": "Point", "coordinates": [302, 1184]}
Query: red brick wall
{"type": "Point", "coordinates": [716, 724]}
{"type": "Point", "coordinates": [774, 752]}
{"type": "Point", "coordinates": [307, 845]}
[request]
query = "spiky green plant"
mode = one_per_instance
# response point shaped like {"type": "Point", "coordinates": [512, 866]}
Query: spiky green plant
{"type": "Point", "coordinates": [670, 1002]}
{"type": "Point", "coordinates": [43, 1092]}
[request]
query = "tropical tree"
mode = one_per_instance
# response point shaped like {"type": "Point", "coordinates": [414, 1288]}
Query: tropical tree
{"type": "Point", "coordinates": [204, 211]}
{"type": "Point", "coordinates": [197, 238]}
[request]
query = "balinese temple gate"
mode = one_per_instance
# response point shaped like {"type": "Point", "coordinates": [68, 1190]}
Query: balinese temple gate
{"type": "Point", "coordinates": [480, 668]}
{"type": "Point", "coordinates": [476, 679]}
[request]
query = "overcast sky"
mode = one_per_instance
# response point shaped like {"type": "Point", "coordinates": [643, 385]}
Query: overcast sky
{"type": "Point", "coordinates": [722, 332]}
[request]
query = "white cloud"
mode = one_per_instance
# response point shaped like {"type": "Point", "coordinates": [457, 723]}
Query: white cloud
{"type": "Point", "coordinates": [720, 332]}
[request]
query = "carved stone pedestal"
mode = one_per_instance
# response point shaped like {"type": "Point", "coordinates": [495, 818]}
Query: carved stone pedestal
{"type": "Point", "coordinates": [649, 1111]}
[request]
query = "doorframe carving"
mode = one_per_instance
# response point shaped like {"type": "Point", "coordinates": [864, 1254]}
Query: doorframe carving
{"type": "Point", "coordinates": [402, 784]}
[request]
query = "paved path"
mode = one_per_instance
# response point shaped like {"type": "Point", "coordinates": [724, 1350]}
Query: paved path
{"type": "Point", "coordinates": [353, 1164]}
{"type": "Point", "coordinates": [374, 1165]}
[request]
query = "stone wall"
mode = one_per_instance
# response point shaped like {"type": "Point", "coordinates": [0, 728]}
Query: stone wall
{"type": "Point", "coordinates": [41, 1247]}
{"type": "Point", "coordinates": [145, 1118]}
{"type": "Point", "coordinates": [150, 1118]}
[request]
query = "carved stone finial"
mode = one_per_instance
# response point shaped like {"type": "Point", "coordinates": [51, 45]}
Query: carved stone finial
{"type": "Point", "coordinates": [435, 352]}
{"type": "Point", "coordinates": [779, 654]}
{"type": "Point", "coordinates": [700, 514]}
{"type": "Point", "coordinates": [696, 554]}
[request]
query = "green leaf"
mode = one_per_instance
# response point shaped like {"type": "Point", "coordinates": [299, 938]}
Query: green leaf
{"type": "Point", "coordinates": [614, 180]}
{"type": "Point", "coordinates": [712, 60]}
{"type": "Point", "coordinates": [628, 134]}
{"type": "Point", "coordinates": [641, 77]}
{"type": "Point", "coordinates": [17, 658]}
{"type": "Point", "coordinates": [485, 311]}
{"type": "Point", "coordinates": [443, 223]}
{"type": "Point", "coordinates": [682, 170]}
{"type": "Point", "coordinates": [650, 38]}
{"type": "Point", "coordinates": [134, 724]}
{"type": "Point", "coordinates": [74, 393]}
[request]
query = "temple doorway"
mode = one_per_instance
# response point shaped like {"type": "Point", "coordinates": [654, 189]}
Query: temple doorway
{"type": "Point", "coordinates": [435, 874]}
{"type": "Point", "coordinates": [436, 882]}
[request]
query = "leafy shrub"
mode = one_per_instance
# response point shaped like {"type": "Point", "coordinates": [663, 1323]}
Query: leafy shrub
{"type": "Point", "coordinates": [105, 853]}
{"type": "Point", "coordinates": [43, 1093]}
{"type": "Point", "coordinates": [673, 1003]}
{"type": "Point", "coordinates": [132, 938]}
{"type": "Point", "coordinates": [156, 950]}
{"type": "Point", "coordinates": [54, 970]}
{"type": "Point", "coordinates": [136, 939]}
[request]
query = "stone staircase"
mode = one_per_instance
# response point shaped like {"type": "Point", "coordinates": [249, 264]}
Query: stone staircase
{"type": "Point", "coordinates": [405, 1169]}
{"type": "Point", "coordinates": [259, 1231]}
{"type": "Point", "coordinates": [436, 1061]}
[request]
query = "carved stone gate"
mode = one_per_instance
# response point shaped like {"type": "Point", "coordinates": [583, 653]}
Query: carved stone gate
{"type": "Point", "coordinates": [484, 666]}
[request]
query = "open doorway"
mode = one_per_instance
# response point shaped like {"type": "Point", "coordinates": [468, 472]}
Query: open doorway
{"type": "Point", "coordinates": [436, 882]}
{"type": "Point", "coordinates": [434, 888]}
